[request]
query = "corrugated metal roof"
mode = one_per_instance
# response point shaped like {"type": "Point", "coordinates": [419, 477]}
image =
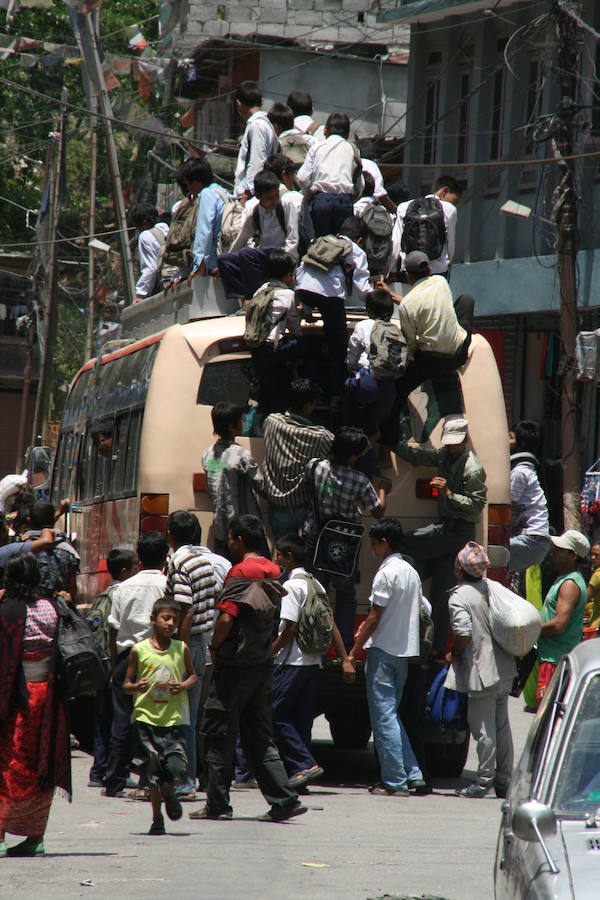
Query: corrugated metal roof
{"type": "Point", "coordinates": [414, 11]}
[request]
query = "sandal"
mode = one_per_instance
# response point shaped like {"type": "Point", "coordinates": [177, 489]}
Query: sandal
{"type": "Point", "coordinates": [27, 848]}
{"type": "Point", "coordinates": [139, 794]}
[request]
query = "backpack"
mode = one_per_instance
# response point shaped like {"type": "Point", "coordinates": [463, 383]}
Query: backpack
{"type": "Point", "coordinates": [280, 218]}
{"type": "Point", "coordinates": [387, 350]}
{"type": "Point", "coordinates": [231, 221]}
{"type": "Point", "coordinates": [97, 617]}
{"type": "Point", "coordinates": [83, 666]}
{"type": "Point", "coordinates": [424, 228]}
{"type": "Point", "coordinates": [177, 249]}
{"type": "Point", "coordinates": [378, 239]}
{"type": "Point", "coordinates": [258, 320]}
{"type": "Point", "coordinates": [315, 626]}
{"type": "Point", "coordinates": [445, 709]}
{"type": "Point", "coordinates": [294, 146]}
{"type": "Point", "coordinates": [326, 252]}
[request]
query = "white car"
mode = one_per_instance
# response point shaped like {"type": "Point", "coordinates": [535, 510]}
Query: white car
{"type": "Point", "coordinates": [549, 840]}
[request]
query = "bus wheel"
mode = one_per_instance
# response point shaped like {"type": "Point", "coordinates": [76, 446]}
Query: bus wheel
{"type": "Point", "coordinates": [447, 760]}
{"type": "Point", "coordinates": [350, 733]}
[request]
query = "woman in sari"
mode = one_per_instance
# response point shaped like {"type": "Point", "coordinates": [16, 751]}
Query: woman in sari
{"type": "Point", "coordinates": [35, 756]}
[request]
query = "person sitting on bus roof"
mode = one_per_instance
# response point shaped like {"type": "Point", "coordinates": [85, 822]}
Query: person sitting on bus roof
{"type": "Point", "coordinates": [233, 477]}
{"type": "Point", "coordinates": [461, 497]}
{"type": "Point", "coordinates": [152, 235]}
{"type": "Point", "coordinates": [272, 221]}
{"type": "Point", "coordinates": [211, 203]}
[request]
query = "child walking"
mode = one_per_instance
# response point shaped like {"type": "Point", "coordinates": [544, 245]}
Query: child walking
{"type": "Point", "coordinates": [159, 674]}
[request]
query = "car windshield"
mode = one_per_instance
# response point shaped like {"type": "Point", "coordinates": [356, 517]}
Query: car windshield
{"type": "Point", "coordinates": [578, 783]}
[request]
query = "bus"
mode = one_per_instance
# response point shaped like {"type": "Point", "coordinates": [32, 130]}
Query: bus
{"type": "Point", "coordinates": [159, 390]}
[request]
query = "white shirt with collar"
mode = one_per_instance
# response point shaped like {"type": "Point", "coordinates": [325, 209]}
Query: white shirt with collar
{"type": "Point", "coordinates": [149, 248]}
{"type": "Point", "coordinates": [303, 123]}
{"type": "Point", "coordinates": [283, 311]}
{"type": "Point", "coordinates": [131, 605]}
{"type": "Point", "coordinates": [373, 169]}
{"type": "Point", "coordinates": [333, 283]}
{"type": "Point", "coordinates": [442, 263]}
{"type": "Point", "coordinates": [271, 234]}
{"type": "Point", "coordinates": [359, 342]}
{"type": "Point", "coordinates": [296, 592]}
{"type": "Point", "coordinates": [259, 141]}
{"type": "Point", "coordinates": [328, 167]}
{"type": "Point", "coordinates": [397, 588]}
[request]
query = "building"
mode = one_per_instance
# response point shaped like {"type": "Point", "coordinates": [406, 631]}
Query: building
{"type": "Point", "coordinates": [482, 89]}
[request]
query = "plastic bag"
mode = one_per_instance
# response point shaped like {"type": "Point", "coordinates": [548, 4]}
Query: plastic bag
{"type": "Point", "coordinates": [514, 622]}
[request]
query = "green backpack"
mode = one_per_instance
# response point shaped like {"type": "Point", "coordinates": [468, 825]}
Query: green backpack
{"type": "Point", "coordinates": [326, 252]}
{"type": "Point", "coordinates": [315, 626]}
{"type": "Point", "coordinates": [258, 320]}
{"type": "Point", "coordinates": [97, 617]}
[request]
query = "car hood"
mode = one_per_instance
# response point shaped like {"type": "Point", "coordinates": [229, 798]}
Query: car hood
{"type": "Point", "coordinates": [582, 851]}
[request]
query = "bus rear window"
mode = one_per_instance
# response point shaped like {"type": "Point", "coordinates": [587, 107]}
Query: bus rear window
{"type": "Point", "coordinates": [229, 380]}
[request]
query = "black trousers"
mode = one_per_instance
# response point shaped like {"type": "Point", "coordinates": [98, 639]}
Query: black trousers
{"type": "Point", "coordinates": [240, 700]}
{"type": "Point", "coordinates": [121, 735]}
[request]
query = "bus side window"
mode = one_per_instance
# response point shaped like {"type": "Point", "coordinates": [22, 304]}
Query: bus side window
{"type": "Point", "coordinates": [86, 469]}
{"type": "Point", "coordinates": [133, 450]}
{"type": "Point", "coordinates": [119, 454]}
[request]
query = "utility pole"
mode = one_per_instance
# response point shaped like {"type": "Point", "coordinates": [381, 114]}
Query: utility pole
{"type": "Point", "coordinates": [89, 342]}
{"type": "Point", "coordinates": [50, 304]}
{"type": "Point", "coordinates": [25, 395]}
{"type": "Point", "coordinates": [565, 216]}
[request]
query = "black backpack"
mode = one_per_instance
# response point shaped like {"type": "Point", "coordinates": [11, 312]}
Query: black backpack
{"type": "Point", "coordinates": [83, 666]}
{"type": "Point", "coordinates": [424, 228]}
{"type": "Point", "coordinates": [378, 239]}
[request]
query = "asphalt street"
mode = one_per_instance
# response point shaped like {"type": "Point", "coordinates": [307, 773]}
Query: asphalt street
{"type": "Point", "coordinates": [350, 844]}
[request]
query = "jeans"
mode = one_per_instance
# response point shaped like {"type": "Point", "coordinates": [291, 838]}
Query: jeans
{"type": "Point", "coordinates": [385, 677]}
{"type": "Point", "coordinates": [487, 716]}
{"type": "Point", "coordinates": [121, 734]}
{"type": "Point", "coordinates": [329, 211]}
{"type": "Point", "coordinates": [527, 550]}
{"type": "Point", "coordinates": [335, 332]}
{"type": "Point", "coordinates": [198, 644]}
{"type": "Point", "coordinates": [240, 700]}
{"type": "Point", "coordinates": [294, 704]}
{"type": "Point", "coordinates": [286, 520]}
{"type": "Point", "coordinates": [243, 272]}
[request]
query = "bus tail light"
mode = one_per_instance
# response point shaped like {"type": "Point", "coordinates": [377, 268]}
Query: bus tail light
{"type": "Point", "coordinates": [425, 490]}
{"type": "Point", "coordinates": [499, 516]}
{"type": "Point", "coordinates": [154, 509]}
{"type": "Point", "coordinates": [199, 482]}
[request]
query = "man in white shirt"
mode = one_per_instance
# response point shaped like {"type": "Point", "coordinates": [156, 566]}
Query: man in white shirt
{"type": "Point", "coordinates": [274, 221]}
{"type": "Point", "coordinates": [330, 175]}
{"type": "Point", "coordinates": [391, 635]}
{"type": "Point", "coordinates": [529, 525]}
{"type": "Point", "coordinates": [129, 622]}
{"type": "Point", "coordinates": [446, 192]}
{"type": "Point", "coordinates": [300, 102]}
{"type": "Point", "coordinates": [151, 240]}
{"type": "Point", "coordinates": [259, 140]}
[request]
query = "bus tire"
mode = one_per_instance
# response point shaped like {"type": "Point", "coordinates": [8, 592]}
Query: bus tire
{"type": "Point", "coordinates": [350, 733]}
{"type": "Point", "coordinates": [447, 760]}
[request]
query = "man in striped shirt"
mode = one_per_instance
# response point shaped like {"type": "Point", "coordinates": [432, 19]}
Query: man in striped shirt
{"type": "Point", "coordinates": [192, 583]}
{"type": "Point", "coordinates": [291, 439]}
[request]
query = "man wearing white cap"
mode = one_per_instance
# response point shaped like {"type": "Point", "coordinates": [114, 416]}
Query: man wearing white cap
{"type": "Point", "coordinates": [461, 496]}
{"type": "Point", "coordinates": [562, 612]}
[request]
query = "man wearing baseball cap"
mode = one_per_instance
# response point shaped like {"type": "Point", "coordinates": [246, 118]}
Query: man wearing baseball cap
{"type": "Point", "coordinates": [461, 496]}
{"type": "Point", "coordinates": [562, 612]}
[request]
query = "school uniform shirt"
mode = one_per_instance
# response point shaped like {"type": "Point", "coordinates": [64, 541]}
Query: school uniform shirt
{"type": "Point", "coordinates": [303, 123]}
{"type": "Point", "coordinates": [333, 283]}
{"type": "Point", "coordinates": [530, 509]}
{"type": "Point", "coordinates": [296, 592]}
{"type": "Point", "coordinates": [191, 581]}
{"type": "Point", "coordinates": [359, 342]}
{"type": "Point", "coordinates": [259, 141]}
{"type": "Point", "coordinates": [361, 205]}
{"type": "Point", "coordinates": [148, 251]}
{"type": "Point", "coordinates": [232, 477]}
{"type": "Point", "coordinates": [290, 441]}
{"type": "Point", "coordinates": [132, 603]}
{"type": "Point", "coordinates": [208, 226]}
{"type": "Point", "coordinates": [283, 311]}
{"type": "Point", "coordinates": [442, 263]}
{"type": "Point", "coordinates": [396, 588]}
{"type": "Point", "coordinates": [428, 318]}
{"type": "Point", "coordinates": [272, 236]}
{"type": "Point", "coordinates": [328, 167]}
{"type": "Point", "coordinates": [341, 493]}
{"type": "Point", "coordinates": [373, 169]}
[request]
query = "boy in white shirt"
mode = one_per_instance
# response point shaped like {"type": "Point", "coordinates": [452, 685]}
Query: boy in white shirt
{"type": "Point", "coordinates": [296, 672]}
{"type": "Point", "coordinates": [270, 220]}
{"type": "Point", "coordinates": [258, 141]}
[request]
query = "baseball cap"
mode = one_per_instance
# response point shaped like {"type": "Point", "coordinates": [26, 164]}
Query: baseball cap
{"type": "Point", "coordinates": [473, 559]}
{"type": "Point", "coordinates": [572, 540]}
{"type": "Point", "coordinates": [417, 263]}
{"type": "Point", "coordinates": [454, 431]}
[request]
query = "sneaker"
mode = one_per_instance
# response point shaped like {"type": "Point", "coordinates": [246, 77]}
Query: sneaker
{"type": "Point", "coordinates": [501, 790]}
{"type": "Point", "coordinates": [281, 813]}
{"type": "Point", "coordinates": [306, 775]}
{"type": "Point", "coordinates": [419, 787]}
{"type": "Point", "coordinates": [173, 808]}
{"type": "Point", "coordinates": [204, 813]}
{"type": "Point", "coordinates": [380, 790]}
{"type": "Point", "coordinates": [474, 791]}
{"type": "Point", "coordinates": [158, 826]}
{"type": "Point", "coordinates": [96, 784]}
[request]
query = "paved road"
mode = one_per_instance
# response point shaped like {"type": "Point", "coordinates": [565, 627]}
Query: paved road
{"type": "Point", "coordinates": [350, 845]}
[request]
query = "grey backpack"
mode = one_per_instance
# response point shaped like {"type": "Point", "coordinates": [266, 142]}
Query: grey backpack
{"type": "Point", "coordinates": [295, 146]}
{"type": "Point", "coordinates": [315, 626]}
{"type": "Point", "coordinates": [326, 252]}
{"type": "Point", "coordinates": [378, 239]}
{"type": "Point", "coordinates": [387, 351]}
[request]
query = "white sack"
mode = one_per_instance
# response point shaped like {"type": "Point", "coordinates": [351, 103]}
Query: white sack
{"type": "Point", "coordinates": [514, 622]}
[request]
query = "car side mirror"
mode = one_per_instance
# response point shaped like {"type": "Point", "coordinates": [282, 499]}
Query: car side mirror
{"type": "Point", "coordinates": [532, 821]}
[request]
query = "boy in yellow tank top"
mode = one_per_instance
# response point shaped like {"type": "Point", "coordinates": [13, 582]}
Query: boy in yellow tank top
{"type": "Point", "coordinates": [159, 674]}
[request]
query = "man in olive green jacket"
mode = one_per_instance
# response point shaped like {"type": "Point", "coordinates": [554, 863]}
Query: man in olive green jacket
{"type": "Point", "coordinates": [461, 496]}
